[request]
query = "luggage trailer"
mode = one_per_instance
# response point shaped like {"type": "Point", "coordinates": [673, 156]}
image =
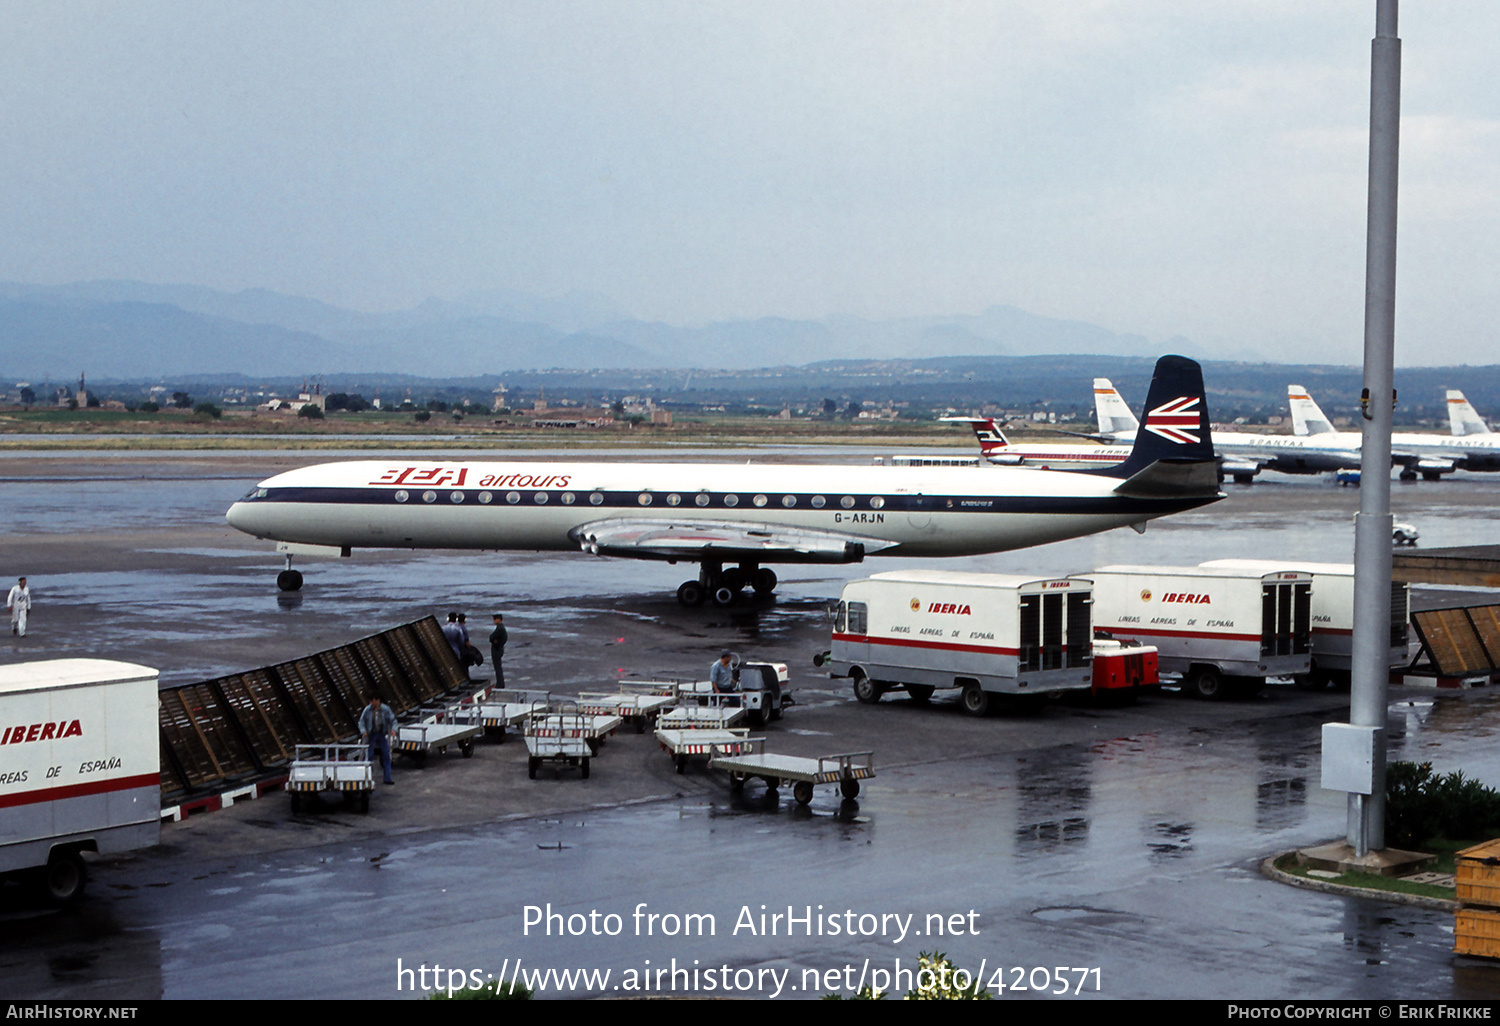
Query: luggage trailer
{"type": "Point", "coordinates": [706, 711]}
{"type": "Point", "coordinates": [711, 741]}
{"type": "Point", "coordinates": [343, 769]}
{"type": "Point", "coordinates": [846, 769]}
{"type": "Point", "coordinates": [633, 704]}
{"type": "Point", "coordinates": [453, 725]}
{"type": "Point", "coordinates": [593, 728]}
{"type": "Point", "coordinates": [1222, 629]}
{"type": "Point", "coordinates": [564, 738]}
{"type": "Point", "coordinates": [507, 707]}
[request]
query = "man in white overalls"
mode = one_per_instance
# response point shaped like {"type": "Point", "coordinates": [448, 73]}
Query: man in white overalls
{"type": "Point", "coordinates": [19, 604]}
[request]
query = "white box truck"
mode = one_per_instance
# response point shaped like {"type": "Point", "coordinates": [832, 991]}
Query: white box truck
{"type": "Point", "coordinates": [79, 767]}
{"type": "Point", "coordinates": [1333, 617]}
{"type": "Point", "coordinates": [1222, 629]}
{"type": "Point", "coordinates": [986, 634]}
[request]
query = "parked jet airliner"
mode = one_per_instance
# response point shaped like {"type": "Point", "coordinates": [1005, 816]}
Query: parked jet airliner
{"type": "Point", "coordinates": [750, 515]}
{"type": "Point", "coordinates": [1428, 455]}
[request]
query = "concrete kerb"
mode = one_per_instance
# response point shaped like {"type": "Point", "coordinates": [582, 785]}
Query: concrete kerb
{"type": "Point", "coordinates": [1268, 869]}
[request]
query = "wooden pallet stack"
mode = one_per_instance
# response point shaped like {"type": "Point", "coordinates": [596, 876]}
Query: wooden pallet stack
{"type": "Point", "coordinates": [1476, 929]}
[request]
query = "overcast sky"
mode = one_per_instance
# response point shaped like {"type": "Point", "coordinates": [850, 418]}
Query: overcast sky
{"type": "Point", "coordinates": [1192, 167]}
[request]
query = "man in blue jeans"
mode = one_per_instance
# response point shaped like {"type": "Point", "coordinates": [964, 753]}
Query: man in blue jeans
{"type": "Point", "coordinates": [377, 725]}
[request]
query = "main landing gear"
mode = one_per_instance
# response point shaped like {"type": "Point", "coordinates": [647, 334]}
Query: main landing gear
{"type": "Point", "coordinates": [724, 586]}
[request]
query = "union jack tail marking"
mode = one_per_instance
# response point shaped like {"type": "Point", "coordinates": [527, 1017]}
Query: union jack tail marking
{"type": "Point", "coordinates": [1176, 421]}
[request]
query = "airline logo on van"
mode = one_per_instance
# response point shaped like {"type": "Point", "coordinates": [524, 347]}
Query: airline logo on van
{"type": "Point", "coordinates": [949, 607]}
{"type": "Point", "coordinates": [41, 732]}
{"type": "Point", "coordinates": [1178, 596]}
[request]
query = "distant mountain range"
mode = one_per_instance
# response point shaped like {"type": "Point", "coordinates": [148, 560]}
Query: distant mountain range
{"type": "Point", "coordinates": [129, 329]}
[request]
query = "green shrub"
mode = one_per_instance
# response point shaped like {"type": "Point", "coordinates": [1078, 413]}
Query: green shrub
{"type": "Point", "coordinates": [1420, 806]}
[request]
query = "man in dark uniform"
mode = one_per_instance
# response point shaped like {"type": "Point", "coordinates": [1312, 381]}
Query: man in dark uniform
{"type": "Point", "coordinates": [498, 637]}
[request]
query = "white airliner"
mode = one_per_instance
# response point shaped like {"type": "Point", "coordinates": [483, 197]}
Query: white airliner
{"type": "Point", "coordinates": [1431, 456]}
{"type": "Point", "coordinates": [1243, 454]}
{"type": "Point", "coordinates": [750, 515]}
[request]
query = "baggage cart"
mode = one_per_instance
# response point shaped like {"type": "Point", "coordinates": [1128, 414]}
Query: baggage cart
{"type": "Point", "coordinates": [594, 728]}
{"type": "Point", "coordinates": [636, 707]}
{"type": "Point", "coordinates": [507, 707]}
{"type": "Point", "coordinates": [680, 743]}
{"type": "Point", "coordinates": [559, 737]}
{"type": "Point", "coordinates": [846, 769]}
{"type": "Point", "coordinates": [708, 710]}
{"type": "Point", "coordinates": [454, 725]}
{"type": "Point", "coordinates": [343, 769]}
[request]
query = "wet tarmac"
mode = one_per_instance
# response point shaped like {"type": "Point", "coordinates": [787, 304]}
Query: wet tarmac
{"type": "Point", "coordinates": [1122, 840]}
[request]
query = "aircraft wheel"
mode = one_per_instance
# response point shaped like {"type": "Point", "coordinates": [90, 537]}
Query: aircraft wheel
{"type": "Point", "coordinates": [733, 579]}
{"type": "Point", "coordinates": [802, 791]}
{"type": "Point", "coordinates": [289, 580]}
{"type": "Point", "coordinates": [764, 581]}
{"type": "Point", "coordinates": [976, 701]}
{"type": "Point", "coordinates": [691, 594]}
{"type": "Point", "coordinates": [724, 595]}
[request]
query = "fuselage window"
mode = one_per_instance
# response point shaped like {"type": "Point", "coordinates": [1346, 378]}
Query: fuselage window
{"type": "Point", "coordinates": [455, 496]}
{"type": "Point", "coordinates": [789, 501]}
{"type": "Point", "coordinates": [847, 502]}
{"type": "Point", "coordinates": [701, 499]}
{"type": "Point", "coordinates": [567, 498]}
{"type": "Point", "coordinates": [596, 498]}
{"type": "Point", "coordinates": [760, 500]}
{"type": "Point", "coordinates": [876, 502]}
{"type": "Point", "coordinates": [512, 497]}
{"type": "Point", "coordinates": [731, 500]}
{"type": "Point", "coordinates": [429, 496]}
{"type": "Point", "coordinates": [644, 498]}
{"type": "Point", "coordinates": [674, 499]}
{"type": "Point", "coordinates": [818, 502]}
{"type": "Point", "coordinates": [402, 495]}
{"type": "Point", "coordinates": [485, 497]}
{"type": "Point", "coordinates": [541, 498]}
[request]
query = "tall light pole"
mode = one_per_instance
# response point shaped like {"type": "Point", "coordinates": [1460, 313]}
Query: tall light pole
{"type": "Point", "coordinates": [1372, 532]}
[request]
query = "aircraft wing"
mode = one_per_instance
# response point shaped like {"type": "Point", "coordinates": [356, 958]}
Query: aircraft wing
{"type": "Point", "coordinates": [720, 540]}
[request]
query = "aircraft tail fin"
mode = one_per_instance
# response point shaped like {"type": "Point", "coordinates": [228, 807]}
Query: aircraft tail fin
{"type": "Point", "coordinates": [986, 431]}
{"type": "Point", "coordinates": [1307, 417]}
{"type": "Point", "coordinates": [1174, 450]}
{"type": "Point", "coordinates": [1463, 419]}
{"type": "Point", "coordinates": [1115, 418]}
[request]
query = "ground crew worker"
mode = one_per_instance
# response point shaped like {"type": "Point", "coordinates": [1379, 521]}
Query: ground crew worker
{"type": "Point", "coordinates": [19, 604]}
{"type": "Point", "coordinates": [377, 725]}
